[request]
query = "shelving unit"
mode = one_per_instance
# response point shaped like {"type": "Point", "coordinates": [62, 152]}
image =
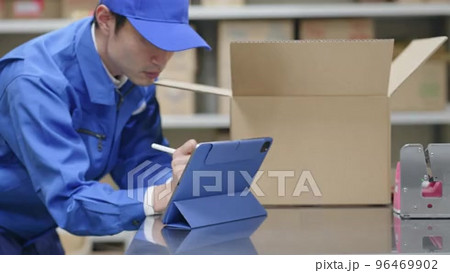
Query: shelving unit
{"type": "Point", "coordinates": [213, 121]}
{"type": "Point", "coordinates": [199, 121]}
{"type": "Point", "coordinates": [300, 11]}
{"type": "Point", "coordinates": [421, 117]}
{"type": "Point", "coordinates": [31, 26]}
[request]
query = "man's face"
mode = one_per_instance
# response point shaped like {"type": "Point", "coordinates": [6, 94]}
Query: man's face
{"type": "Point", "coordinates": [133, 56]}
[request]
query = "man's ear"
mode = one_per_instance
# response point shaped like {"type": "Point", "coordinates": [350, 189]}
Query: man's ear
{"type": "Point", "coordinates": [105, 19]}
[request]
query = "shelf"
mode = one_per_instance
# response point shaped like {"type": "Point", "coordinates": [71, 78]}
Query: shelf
{"type": "Point", "coordinates": [262, 12]}
{"type": "Point", "coordinates": [22, 26]}
{"type": "Point", "coordinates": [201, 121]}
{"type": "Point", "coordinates": [421, 117]}
{"type": "Point", "coordinates": [319, 11]}
{"type": "Point", "coordinates": [214, 121]}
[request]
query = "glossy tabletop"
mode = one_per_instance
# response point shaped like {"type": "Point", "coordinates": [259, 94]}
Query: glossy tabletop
{"type": "Point", "coordinates": [302, 230]}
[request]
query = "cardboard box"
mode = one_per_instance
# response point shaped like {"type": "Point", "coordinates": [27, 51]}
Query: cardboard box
{"type": "Point", "coordinates": [255, 30]}
{"type": "Point", "coordinates": [326, 103]}
{"type": "Point", "coordinates": [75, 245]}
{"type": "Point", "coordinates": [182, 67]}
{"type": "Point", "coordinates": [329, 115]}
{"type": "Point", "coordinates": [425, 90]}
{"type": "Point", "coordinates": [33, 8]}
{"type": "Point", "coordinates": [336, 29]}
{"type": "Point", "coordinates": [2, 9]}
{"type": "Point", "coordinates": [75, 9]}
{"type": "Point", "coordinates": [264, 2]}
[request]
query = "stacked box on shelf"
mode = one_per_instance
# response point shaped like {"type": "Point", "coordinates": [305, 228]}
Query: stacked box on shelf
{"type": "Point", "coordinates": [426, 88]}
{"type": "Point", "coordinates": [182, 67]}
{"type": "Point", "coordinates": [336, 29]}
{"type": "Point", "coordinates": [75, 9]}
{"type": "Point", "coordinates": [32, 8]}
{"type": "Point", "coordinates": [2, 9]}
{"type": "Point", "coordinates": [251, 2]}
{"type": "Point", "coordinates": [257, 30]}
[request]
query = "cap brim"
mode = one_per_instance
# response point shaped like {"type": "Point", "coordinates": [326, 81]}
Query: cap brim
{"type": "Point", "coordinates": [169, 36]}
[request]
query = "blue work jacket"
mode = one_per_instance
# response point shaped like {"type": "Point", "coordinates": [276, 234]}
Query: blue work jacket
{"type": "Point", "coordinates": [63, 126]}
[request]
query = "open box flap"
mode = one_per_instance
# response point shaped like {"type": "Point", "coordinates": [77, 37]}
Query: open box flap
{"type": "Point", "coordinates": [311, 68]}
{"type": "Point", "coordinates": [194, 87]}
{"type": "Point", "coordinates": [414, 55]}
{"type": "Point", "coordinates": [349, 67]}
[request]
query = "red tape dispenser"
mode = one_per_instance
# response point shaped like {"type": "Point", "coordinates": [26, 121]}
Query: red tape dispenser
{"type": "Point", "coordinates": [421, 182]}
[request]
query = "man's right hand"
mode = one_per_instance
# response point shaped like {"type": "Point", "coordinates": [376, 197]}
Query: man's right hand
{"type": "Point", "coordinates": [163, 193]}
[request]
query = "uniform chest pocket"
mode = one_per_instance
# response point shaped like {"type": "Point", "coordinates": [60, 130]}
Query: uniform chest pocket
{"type": "Point", "coordinates": [91, 132]}
{"type": "Point", "coordinates": [96, 147]}
{"type": "Point", "coordinates": [99, 137]}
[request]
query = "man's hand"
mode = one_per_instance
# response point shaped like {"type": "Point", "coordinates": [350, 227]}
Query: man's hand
{"type": "Point", "coordinates": [163, 193]}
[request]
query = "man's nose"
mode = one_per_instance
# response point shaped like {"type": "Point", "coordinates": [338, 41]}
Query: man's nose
{"type": "Point", "coordinates": [161, 57]}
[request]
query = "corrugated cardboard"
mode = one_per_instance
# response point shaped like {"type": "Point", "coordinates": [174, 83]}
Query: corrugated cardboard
{"type": "Point", "coordinates": [2, 9]}
{"type": "Point", "coordinates": [264, 2]}
{"type": "Point", "coordinates": [75, 245]}
{"type": "Point", "coordinates": [329, 114]}
{"type": "Point", "coordinates": [258, 30]}
{"type": "Point", "coordinates": [182, 67]}
{"type": "Point", "coordinates": [310, 29]}
{"type": "Point", "coordinates": [426, 88]}
{"type": "Point", "coordinates": [326, 105]}
{"type": "Point", "coordinates": [33, 8]}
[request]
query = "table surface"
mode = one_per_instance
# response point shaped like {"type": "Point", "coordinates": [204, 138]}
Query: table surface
{"type": "Point", "coordinates": [304, 230]}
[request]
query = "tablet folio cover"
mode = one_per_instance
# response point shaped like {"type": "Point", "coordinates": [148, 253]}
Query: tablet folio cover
{"type": "Point", "coordinates": [214, 187]}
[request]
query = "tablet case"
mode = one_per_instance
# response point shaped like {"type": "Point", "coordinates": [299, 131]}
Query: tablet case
{"type": "Point", "coordinates": [229, 238]}
{"type": "Point", "coordinates": [214, 187]}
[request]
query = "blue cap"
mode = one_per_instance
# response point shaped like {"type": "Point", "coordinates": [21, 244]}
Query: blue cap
{"type": "Point", "coordinates": [164, 23]}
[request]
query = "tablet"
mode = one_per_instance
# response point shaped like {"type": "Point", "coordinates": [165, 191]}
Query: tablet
{"type": "Point", "coordinates": [216, 181]}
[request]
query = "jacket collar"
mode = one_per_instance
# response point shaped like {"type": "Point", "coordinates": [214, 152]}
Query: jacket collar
{"type": "Point", "coordinates": [99, 85]}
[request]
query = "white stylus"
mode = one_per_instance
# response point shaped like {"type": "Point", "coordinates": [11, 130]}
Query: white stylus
{"type": "Point", "coordinates": [163, 148]}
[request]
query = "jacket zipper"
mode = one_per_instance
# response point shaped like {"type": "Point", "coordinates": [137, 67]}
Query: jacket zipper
{"type": "Point", "coordinates": [100, 137]}
{"type": "Point", "coordinates": [122, 96]}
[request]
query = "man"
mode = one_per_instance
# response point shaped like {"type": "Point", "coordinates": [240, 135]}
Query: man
{"type": "Point", "coordinates": [78, 103]}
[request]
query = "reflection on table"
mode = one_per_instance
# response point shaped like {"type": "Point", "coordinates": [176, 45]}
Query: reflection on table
{"type": "Point", "coordinates": [306, 230]}
{"type": "Point", "coordinates": [229, 238]}
{"type": "Point", "coordinates": [422, 235]}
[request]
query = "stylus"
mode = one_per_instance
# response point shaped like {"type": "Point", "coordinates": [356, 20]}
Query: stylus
{"type": "Point", "coordinates": [163, 148]}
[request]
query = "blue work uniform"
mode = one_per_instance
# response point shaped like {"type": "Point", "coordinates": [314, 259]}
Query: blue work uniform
{"type": "Point", "coordinates": [63, 126]}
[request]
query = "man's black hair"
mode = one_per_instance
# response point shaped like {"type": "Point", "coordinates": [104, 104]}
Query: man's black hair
{"type": "Point", "coordinates": [120, 21]}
